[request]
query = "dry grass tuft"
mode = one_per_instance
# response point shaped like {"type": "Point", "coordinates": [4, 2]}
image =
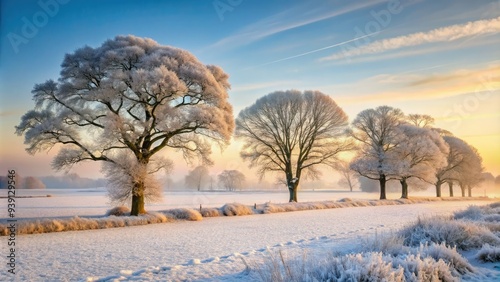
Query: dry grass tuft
{"type": "Point", "coordinates": [118, 211]}
{"type": "Point", "coordinates": [236, 209]}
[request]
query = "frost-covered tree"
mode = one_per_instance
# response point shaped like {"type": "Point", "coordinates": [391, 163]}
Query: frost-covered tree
{"type": "Point", "coordinates": [197, 177]}
{"type": "Point", "coordinates": [292, 132]}
{"type": "Point", "coordinates": [122, 103]}
{"type": "Point", "coordinates": [377, 130]}
{"type": "Point", "coordinates": [231, 179]}
{"type": "Point", "coordinates": [421, 153]}
{"type": "Point", "coordinates": [349, 178]}
{"type": "Point", "coordinates": [469, 173]}
{"type": "Point", "coordinates": [461, 157]}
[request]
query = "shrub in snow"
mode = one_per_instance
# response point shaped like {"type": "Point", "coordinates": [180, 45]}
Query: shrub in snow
{"type": "Point", "coordinates": [388, 243]}
{"type": "Point", "coordinates": [118, 211]}
{"type": "Point", "coordinates": [185, 214]}
{"type": "Point", "coordinates": [489, 254]}
{"type": "Point", "coordinates": [345, 200]}
{"type": "Point", "coordinates": [370, 266]}
{"type": "Point", "coordinates": [236, 209]}
{"type": "Point", "coordinates": [450, 255]}
{"type": "Point", "coordinates": [492, 218]}
{"type": "Point", "coordinates": [472, 213]}
{"type": "Point", "coordinates": [211, 212]}
{"type": "Point", "coordinates": [463, 235]}
{"type": "Point", "coordinates": [495, 205]}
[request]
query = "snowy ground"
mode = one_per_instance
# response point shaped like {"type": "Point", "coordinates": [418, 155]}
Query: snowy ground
{"type": "Point", "coordinates": [211, 249]}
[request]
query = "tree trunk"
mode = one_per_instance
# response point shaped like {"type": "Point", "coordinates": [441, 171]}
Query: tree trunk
{"type": "Point", "coordinates": [469, 189]}
{"type": "Point", "coordinates": [462, 187]}
{"type": "Point", "coordinates": [293, 185]}
{"type": "Point", "coordinates": [450, 185]}
{"type": "Point", "coordinates": [382, 187]}
{"type": "Point", "coordinates": [438, 189]}
{"type": "Point", "coordinates": [138, 199]}
{"type": "Point", "coordinates": [404, 189]}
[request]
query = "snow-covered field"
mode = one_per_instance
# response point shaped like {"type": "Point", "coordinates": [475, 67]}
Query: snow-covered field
{"type": "Point", "coordinates": [93, 202]}
{"type": "Point", "coordinates": [211, 249]}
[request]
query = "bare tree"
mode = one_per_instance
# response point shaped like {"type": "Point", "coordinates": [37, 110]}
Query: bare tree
{"type": "Point", "coordinates": [197, 177]}
{"type": "Point", "coordinates": [349, 177]}
{"type": "Point", "coordinates": [423, 121]}
{"type": "Point", "coordinates": [122, 103]}
{"type": "Point", "coordinates": [292, 132]}
{"type": "Point", "coordinates": [377, 132]}
{"type": "Point", "coordinates": [231, 179]}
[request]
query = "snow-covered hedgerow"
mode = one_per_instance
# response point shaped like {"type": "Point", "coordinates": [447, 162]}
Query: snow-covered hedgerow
{"type": "Point", "coordinates": [348, 203]}
{"type": "Point", "coordinates": [236, 209]}
{"type": "Point", "coordinates": [489, 254]}
{"type": "Point", "coordinates": [81, 223]}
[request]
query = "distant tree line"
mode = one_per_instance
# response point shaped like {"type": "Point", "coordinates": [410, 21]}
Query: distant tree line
{"type": "Point", "coordinates": [71, 180]}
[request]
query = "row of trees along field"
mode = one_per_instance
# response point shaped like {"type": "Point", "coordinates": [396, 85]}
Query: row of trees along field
{"type": "Point", "coordinates": [124, 102]}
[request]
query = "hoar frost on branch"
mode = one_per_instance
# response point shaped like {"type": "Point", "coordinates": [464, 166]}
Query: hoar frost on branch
{"type": "Point", "coordinates": [122, 103]}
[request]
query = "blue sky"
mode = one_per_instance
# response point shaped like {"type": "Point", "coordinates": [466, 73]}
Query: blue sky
{"type": "Point", "coordinates": [432, 57]}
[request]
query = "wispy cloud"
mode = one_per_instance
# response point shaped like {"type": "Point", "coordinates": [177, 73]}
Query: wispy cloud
{"type": "Point", "coordinates": [289, 19]}
{"type": "Point", "coordinates": [410, 86]}
{"type": "Point", "coordinates": [444, 34]}
{"type": "Point", "coordinates": [320, 49]}
{"type": "Point", "coordinates": [367, 58]}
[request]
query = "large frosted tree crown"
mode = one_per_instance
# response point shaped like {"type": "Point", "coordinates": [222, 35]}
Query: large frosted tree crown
{"type": "Point", "coordinates": [130, 95]}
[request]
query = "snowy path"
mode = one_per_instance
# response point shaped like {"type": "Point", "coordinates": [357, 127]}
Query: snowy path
{"type": "Point", "coordinates": [202, 249]}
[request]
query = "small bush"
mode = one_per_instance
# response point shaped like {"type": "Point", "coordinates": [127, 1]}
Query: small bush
{"type": "Point", "coordinates": [185, 214]}
{"type": "Point", "coordinates": [489, 254]}
{"type": "Point", "coordinates": [388, 243]}
{"type": "Point", "coordinates": [463, 235]}
{"type": "Point", "coordinates": [236, 209]}
{"type": "Point", "coordinates": [495, 205]}
{"type": "Point", "coordinates": [118, 211]}
{"type": "Point", "coordinates": [211, 212]}
{"type": "Point", "coordinates": [447, 254]}
{"type": "Point", "coordinates": [345, 200]}
{"type": "Point", "coordinates": [474, 213]}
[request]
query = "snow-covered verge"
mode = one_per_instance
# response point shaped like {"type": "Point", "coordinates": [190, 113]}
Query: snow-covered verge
{"type": "Point", "coordinates": [425, 250]}
{"type": "Point", "coordinates": [76, 223]}
{"type": "Point", "coordinates": [48, 225]}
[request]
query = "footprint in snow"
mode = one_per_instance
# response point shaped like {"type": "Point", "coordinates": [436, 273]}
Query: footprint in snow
{"type": "Point", "coordinates": [194, 261]}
